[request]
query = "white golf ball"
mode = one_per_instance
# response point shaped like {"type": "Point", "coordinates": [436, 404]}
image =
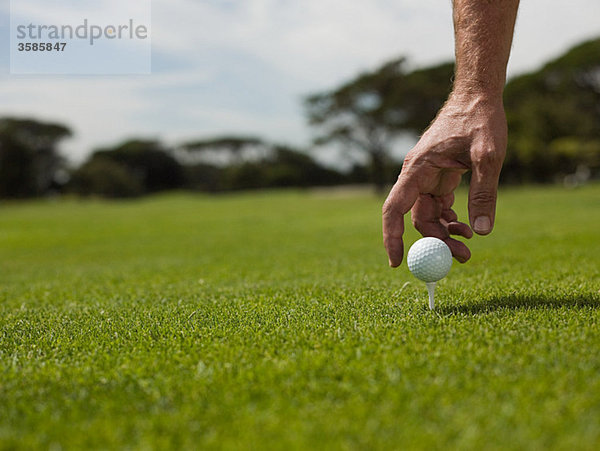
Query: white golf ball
{"type": "Point", "coordinates": [429, 259]}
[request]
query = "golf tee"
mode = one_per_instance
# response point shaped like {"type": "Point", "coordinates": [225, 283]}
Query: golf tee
{"type": "Point", "coordinates": [431, 291]}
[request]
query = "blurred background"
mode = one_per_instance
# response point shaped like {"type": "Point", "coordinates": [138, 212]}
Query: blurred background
{"type": "Point", "coordinates": [272, 93]}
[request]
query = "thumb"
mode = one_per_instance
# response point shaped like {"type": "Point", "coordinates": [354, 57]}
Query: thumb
{"type": "Point", "coordinates": [483, 192]}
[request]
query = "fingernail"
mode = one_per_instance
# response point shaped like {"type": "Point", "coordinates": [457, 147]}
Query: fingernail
{"type": "Point", "coordinates": [482, 224]}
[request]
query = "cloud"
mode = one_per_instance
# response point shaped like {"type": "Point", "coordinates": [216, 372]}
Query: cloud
{"type": "Point", "coordinates": [73, 11]}
{"type": "Point", "coordinates": [317, 41]}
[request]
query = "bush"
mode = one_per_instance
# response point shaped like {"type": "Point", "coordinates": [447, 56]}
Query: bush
{"type": "Point", "coordinates": [107, 178]}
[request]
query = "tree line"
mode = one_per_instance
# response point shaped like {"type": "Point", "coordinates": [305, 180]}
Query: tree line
{"type": "Point", "coordinates": [554, 135]}
{"type": "Point", "coordinates": [31, 165]}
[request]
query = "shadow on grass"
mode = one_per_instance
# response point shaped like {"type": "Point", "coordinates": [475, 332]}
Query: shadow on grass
{"type": "Point", "coordinates": [516, 301]}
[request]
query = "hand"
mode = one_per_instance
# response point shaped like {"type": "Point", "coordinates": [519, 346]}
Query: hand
{"type": "Point", "coordinates": [469, 133]}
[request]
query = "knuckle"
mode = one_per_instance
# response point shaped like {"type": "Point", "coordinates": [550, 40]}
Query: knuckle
{"type": "Point", "coordinates": [487, 157]}
{"type": "Point", "coordinates": [483, 198]}
{"type": "Point", "coordinates": [408, 158]}
{"type": "Point", "coordinates": [413, 158]}
{"type": "Point", "coordinates": [387, 210]}
{"type": "Point", "coordinates": [415, 222]}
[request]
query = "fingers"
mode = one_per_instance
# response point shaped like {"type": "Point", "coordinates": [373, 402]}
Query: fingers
{"type": "Point", "coordinates": [483, 192]}
{"type": "Point", "coordinates": [461, 229]}
{"type": "Point", "coordinates": [426, 216]}
{"type": "Point", "coordinates": [399, 202]}
{"type": "Point", "coordinates": [459, 250]}
{"type": "Point", "coordinates": [450, 218]}
{"type": "Point", "coordinates": [448, 214]}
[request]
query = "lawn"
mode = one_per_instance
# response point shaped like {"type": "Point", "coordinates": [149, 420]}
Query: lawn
{"type": "Point", "coordinates": [271, 321]}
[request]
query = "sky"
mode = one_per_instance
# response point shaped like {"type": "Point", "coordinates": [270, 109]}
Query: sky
{"type": "Point", "coordinates": [243, 66]}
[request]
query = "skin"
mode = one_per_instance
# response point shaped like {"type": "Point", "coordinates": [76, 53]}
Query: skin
{"type": "Point", "coordinates": [468, 133]}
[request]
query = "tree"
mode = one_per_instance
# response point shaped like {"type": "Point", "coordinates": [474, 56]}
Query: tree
{"type": "Point", "coordinates": [148, 161]}
{"type": "Point", "coordinates": [223, 149]}
{"type": "Point", "coordinates": [368, 112]}
{"type": "Point", "coordinates": [29, 159]}
{"type": "Point", "coordinates": [284, 167]}
{"type": "Point", "coordinates": [106, 178]}
{"type": "Point", "coordinates": [219, 163]}
{"type": "Point", "coordinates": [204, 177]}
{"type": "Point", "coordinates": [248, 162]}
{"type": "Point", "coordinates": [554, 117]}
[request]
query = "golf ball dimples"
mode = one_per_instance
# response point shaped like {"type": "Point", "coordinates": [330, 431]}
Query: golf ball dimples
{"type": "Point", "coordinates": [429, 259]}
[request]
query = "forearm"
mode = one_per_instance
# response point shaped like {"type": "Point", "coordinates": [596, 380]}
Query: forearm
{"type": "Point", "coordinates": [483, 36]}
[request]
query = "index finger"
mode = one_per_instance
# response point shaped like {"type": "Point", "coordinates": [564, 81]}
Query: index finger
{"type": "Point", "coordinates": [399, 202]}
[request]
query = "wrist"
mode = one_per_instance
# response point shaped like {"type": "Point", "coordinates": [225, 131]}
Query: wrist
{"type": "Point", "coordinates": [465, 96]}
{"type": "Point", "coordinates": [477, 89]}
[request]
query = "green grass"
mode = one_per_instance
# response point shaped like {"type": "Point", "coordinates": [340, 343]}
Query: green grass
{"type": "Point", "coordinates": [271, 320]}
